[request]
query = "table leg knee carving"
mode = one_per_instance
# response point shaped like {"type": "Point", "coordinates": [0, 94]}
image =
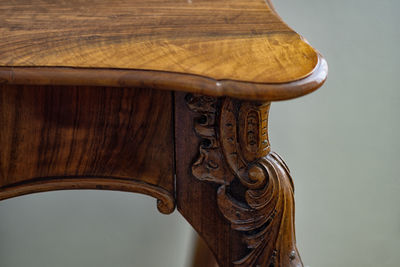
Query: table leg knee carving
{"type": "Point", "coordinates": [256, 190]}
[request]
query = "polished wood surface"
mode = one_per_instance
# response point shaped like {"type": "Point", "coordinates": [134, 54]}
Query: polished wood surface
{"type": "Point", "coordinates": [168, 98]}
{"type": "Point", "coordinates": [250, 187]}
{"type": "Point", "coordinates": [165, 81]}
{"type": "Point", "coordinates": [197, 200]}
{"type": "Point", "coordinates": [86, 138]}
{"type": "Point", "coordinates": [239, 48]}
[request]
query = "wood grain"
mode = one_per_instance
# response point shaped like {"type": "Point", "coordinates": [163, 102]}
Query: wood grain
{"type": "Point", "coordinates": [164, 81]}
{"type": "Point", "coordinates": [86, 138]}
{"type": "Point", "coordinates": [254, 187]}
{"type": "Point", "coordinates": [87, 102]}
{"type": "Point", "coordinates": [196, 200]}
{"type": "Point", "coordinates": [224, 41]}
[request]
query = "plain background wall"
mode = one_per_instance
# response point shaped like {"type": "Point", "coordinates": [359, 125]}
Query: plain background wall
{"type": "Point", "coordinates": [341, 143]}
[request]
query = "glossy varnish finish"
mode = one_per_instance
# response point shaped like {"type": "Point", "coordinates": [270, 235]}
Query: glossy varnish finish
{"type": "Point", "coordinates": [197, 200]}
{"type": "Point", "coordinates": [250, 186]}
{"type": "Point", "coordinates": [239, 48]}
{"type": "Point", "coordinates": [164, 97]}
{"type": "Point", "coordinates": [86, 137]}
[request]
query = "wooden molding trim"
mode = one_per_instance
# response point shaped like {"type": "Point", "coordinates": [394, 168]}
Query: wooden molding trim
{"type": "Point", "coordinates": [165, 200]}
{"type": "Point", "coordinates": [166, 81]}
{"type": "Point", "coordinates": [256, 190]}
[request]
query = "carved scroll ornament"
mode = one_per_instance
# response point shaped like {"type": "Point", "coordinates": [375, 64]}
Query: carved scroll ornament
{"type": "Point", "coordinates": [256, 189]}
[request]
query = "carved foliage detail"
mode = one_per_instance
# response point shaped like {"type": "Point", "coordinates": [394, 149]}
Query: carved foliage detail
{"type": "Point", "coordinates": [235, 152]}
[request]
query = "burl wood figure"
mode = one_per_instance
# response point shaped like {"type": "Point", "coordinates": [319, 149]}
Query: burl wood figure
{"type": "Point", "coordinates": [168, 98]}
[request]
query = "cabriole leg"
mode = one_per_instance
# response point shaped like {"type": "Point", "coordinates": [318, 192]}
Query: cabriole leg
{"type": "Point", "coordinates": [246, 209]}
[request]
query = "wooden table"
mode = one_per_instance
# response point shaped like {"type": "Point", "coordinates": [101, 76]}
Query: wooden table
{"type": "Point", "coordinates": [168, 98]}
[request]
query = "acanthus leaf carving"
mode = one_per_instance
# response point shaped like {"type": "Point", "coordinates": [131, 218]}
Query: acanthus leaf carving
{"type": "Point", "coordinates": [235, 146]}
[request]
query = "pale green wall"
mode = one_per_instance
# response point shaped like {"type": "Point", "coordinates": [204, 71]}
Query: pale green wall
{"type": "Point", "coordinates": [341, 143]}
{"type": "Point", "coordinates": [90, 229]}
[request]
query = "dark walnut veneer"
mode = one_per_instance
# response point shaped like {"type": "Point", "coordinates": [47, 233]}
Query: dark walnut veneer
{"type": "Point", "coordinates": [168, 98]}
{"type": "Point", "coordinates": [57, 137]}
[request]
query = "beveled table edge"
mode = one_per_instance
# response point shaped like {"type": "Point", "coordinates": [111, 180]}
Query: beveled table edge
{"type": "Point", "coordinates": [163, 80]}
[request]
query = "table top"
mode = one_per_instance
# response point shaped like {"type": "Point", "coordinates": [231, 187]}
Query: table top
{"type": "Point", "coordinates": [238, 48]}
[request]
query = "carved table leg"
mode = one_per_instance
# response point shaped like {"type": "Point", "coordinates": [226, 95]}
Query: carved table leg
{"type": "Point", "coordinates": [234, 191]}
